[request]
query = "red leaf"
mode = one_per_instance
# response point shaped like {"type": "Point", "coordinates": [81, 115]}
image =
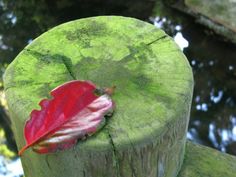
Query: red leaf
{"type": "Point", "coordinates": [74, 112]}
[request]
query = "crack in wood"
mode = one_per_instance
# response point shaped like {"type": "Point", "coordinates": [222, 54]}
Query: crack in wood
{"type": "Point", "coordinates": [115, 154]}
{"type": "Point", "coordinates": [65, 60]}
{"type": "Point", "coordinates": [67, 65]}
{"type": "Point", "coordinates": [139, 49]}
{"type": "Point", "coordinates": [48, 163]}
{"type": "Point", "coordinates": [163, 37]}
{"type": "Point", "coordinates": [84, 174]}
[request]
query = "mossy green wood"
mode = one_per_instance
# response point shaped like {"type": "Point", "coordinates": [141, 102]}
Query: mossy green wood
{"type": "Point", "coordinates": [146, 135]}
{"type": "Point", "coordinates": [222, 12]}
{"type": "Point", "coordinates": [201, 161]}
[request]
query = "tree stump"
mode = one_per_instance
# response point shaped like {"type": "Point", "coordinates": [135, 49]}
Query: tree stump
{"type": "Point", "coordinates": [146, 135]}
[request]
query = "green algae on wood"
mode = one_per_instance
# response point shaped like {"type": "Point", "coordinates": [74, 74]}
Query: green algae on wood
{"type": "Point", "coordinates": [146, 135]}
{"type": "Point", "coordinates": [201, 161]}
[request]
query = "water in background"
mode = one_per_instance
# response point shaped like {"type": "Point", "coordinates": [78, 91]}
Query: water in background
{"type": "Point", "coordinates": [213, 60]}
{"type": "Point", "coordinates": [213, 114]}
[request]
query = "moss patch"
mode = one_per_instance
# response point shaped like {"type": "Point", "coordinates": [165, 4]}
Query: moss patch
{"type": "Point", "coordinates": [204, 161]}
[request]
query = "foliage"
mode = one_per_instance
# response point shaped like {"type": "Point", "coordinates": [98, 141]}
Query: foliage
{"type": "Point", "coordinates": [3, 148]}
{"type": "Point", "coordinates": [76, 110]}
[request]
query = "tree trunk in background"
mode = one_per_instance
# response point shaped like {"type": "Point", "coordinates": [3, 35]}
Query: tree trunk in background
{"type": "Point", "coordinates": [217, 15]}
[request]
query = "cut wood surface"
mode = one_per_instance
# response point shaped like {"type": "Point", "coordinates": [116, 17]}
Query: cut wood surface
{"type": "Point", "coordinates": [202, 161]}
{"type": "Point", "coordinates": [146, 135]}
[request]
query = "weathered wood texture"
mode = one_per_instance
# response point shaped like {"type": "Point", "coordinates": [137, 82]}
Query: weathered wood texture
{"type": "Point", "coordinates": [201, 161]}
{"type": "Point", "coordinates": [146, 135]}
{"type": "Point", "coordinates": [218, 15]}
